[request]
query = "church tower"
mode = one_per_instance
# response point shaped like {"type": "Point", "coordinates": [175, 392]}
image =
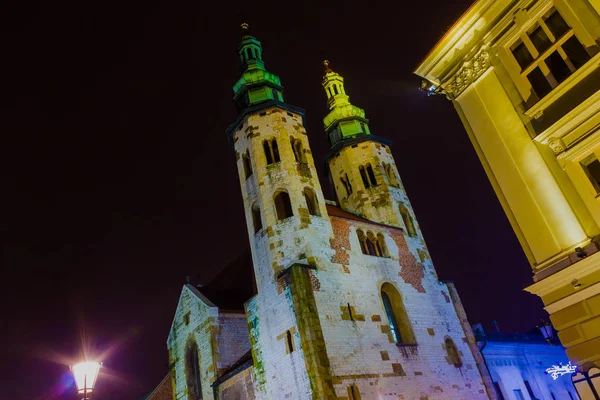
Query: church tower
{"type": "Point", "coordinates": [287, 225]}
{"type": "Point", "coordinates": [362, 168]}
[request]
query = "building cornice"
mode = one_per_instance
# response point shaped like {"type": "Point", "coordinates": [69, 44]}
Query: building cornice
{"type": "Point", "coordinates": [564, 277]}
{"type": "Point", "coordinates": [466, 33]}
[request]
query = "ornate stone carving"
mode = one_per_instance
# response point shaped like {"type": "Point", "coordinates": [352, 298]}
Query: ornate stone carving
{"type": "Point", "coordinates": [556, 145]}
{"type": "Point", "coordinates": [469, 73]}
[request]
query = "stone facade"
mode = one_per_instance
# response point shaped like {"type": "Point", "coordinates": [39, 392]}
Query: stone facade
{"type": "Point", "coordinates": [347, 302]}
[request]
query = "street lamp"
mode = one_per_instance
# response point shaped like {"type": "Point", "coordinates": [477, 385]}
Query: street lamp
{"type": "Point", "coordinates": [85, 374]}
{"type": "Point", "coordinates": [547, 331]}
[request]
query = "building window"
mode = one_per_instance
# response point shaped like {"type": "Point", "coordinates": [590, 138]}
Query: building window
{"type": "Point", "coordinates": [353, 393]}
{"type": "Point", "coordinates": [311, 201]}
{"type": "Point", "coordinates": [347, 185]}
{"type": "Point", "coordinates": [256, 219]}
{"type": "Point", "coordinates": [400, 329]}
{"type": "Point", "coordinates": [591, 166]}
{"type": "Point", "coordinates": [529, 390]}
{"type": "Point", "coordinates": [498, 391]}
{"type": "Point", "coordinates": [186, 319]}
{"type": "Point", "coordinates": [391, 175]}
{"type": "Point", "coordinates": [383, 250]}
{"type": "Point", "coordinates": [549, 53]}
{"type": "Point", "coordinates": [371, 175]}
{"type": "Point", "coordinates": [372, 245]}
{"type": "Point", "coordinates": [289, 342]}
{"type": "Point", "coordinates": [283, 206]}
{"type": "Point", "coordinates": [247, 164]}
{"type": "Point", "coordinates": [192, 372]}
{"type": "Point", "coordinates": [453, 355]}
{"type": "Point", "coordinates": [363, 175]}
{"type": "Point", "coordinates": [553, 397]}
{"type": "Point", "coordinates": [408, 221]}
{"type": "Point", "coordinates": [519, 394]}
{"type": "Point", "coordinates": [271, 151]}
{"type": "Point", "coordinates": [298, 150]}
{"type": "Point", "coordinates": [362, 239]}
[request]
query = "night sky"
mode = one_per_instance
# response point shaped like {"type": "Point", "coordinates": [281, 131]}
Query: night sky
{"type": "Point", "coordinates": [118, 181]}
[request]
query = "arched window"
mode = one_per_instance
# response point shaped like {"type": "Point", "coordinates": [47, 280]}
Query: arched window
{"type": "Point", "coordinates": [268, 154]}
{"type": "Point", "coordinates": [362, 239]}
{"type": "Point", "coordinates": [363, 175]}
{"type": "Point", "coordinates": [247, 164]}
{"type": "Point", "coordinates": [275, 150]}
{"type": "Point", "coordinates": [298, 150]}
{"type": "Point", "coordinates": [372, 245]}
{"type": "Point", "coordinates": [283, 206]}
{"type": "Point", "coordinates": [335, 89]}
{"type": "Point", "coordinates": [453, 355]}
{"type": "Point", "coordinates": [371, 175]}
{"type": "Point", "coordinates": [408, 221]}
{"type": "Point", "coordinates": [256, 220]}
{"type": "Point", "coordinates": [192, 371]}
{"type": "Point", "coordinates": [311, 201]}
{"type": "Point", "coordinates": [389, 171]}
{"type": "Point", "coordinates": [347, 184]}
{"type": "Point", "coordinates": [271, 151]}
{"type": "Point", "coordinates": [400, 329]}
{"type": "Point", "coordinates": [382, 246]}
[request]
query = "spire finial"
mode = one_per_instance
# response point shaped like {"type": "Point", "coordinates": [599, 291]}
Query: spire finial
{"type": "Point", "coordinates": [245, 28]}
{"type": "Point", "coordinates": [327, 67]}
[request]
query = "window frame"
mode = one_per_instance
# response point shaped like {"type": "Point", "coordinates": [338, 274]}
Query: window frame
{"type": "Point", "coordinates": [509, 40]}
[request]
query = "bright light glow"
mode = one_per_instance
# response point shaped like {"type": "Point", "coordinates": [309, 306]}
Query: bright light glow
{"type": "Point", "coordinates": [559, 370]}
{"type": "Point", "coordinates": [85, 375]}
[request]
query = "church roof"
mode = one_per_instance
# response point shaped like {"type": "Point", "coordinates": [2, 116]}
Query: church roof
{"type": "Point", "coordinates": [234, 285]}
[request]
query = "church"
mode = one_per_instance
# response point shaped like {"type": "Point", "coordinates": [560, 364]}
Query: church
{"type": "Point", "coordinates": [335, 299]}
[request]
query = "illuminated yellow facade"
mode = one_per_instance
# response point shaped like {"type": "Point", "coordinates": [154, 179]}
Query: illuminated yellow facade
{"type": "Point", "coordinates": [523, 76]}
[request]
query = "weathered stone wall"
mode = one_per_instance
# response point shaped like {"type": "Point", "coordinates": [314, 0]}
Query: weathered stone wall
{"type": "Point", "coordinates": [378, 203]}
{"type": "Point", "coordinates": [196, 319]}
{"type": "Point", "coordinates": [357, 350]}
{"type": "Point", "coordinates": [238, 387]}
{"type": "Point", "coordinates": [232, 338]}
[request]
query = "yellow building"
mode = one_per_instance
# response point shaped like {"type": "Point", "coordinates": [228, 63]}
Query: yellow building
{"type": "Point", "coordinates": [523, 76]}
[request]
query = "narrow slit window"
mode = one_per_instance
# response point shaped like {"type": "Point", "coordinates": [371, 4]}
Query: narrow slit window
{"type": "Point", "coordinates": [268, 154]}
{"type": "Point", "coordinates": [247, 164]}
{"type": "Point", "coordinates": [371, 175]}
{"type": "Point", "coordinates": [408, 221]}
{"type": "Point", "coordinates": [275, 150]}
{"type": "Point", "coordinates": [363, 241]}
{"type": "Point", "coordinates": [290, 341]}
{"type": "Point", "coordinates": [256, 219]}
{"type": "Point", "coordinates": [283, 206]}
{"type": "Point", "coordinates": [350, 313]}
{"type": "Point", "coordinates": [363, 175]}
{"type": "Point", "coordinates": [311, 201]}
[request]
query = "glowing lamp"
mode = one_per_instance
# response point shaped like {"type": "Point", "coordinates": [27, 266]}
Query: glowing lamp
{"type": "Point", "coordinates": [85, 374]}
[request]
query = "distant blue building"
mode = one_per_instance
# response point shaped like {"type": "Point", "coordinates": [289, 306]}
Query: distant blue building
{"type": "Point", "coordinates": [518, 363]}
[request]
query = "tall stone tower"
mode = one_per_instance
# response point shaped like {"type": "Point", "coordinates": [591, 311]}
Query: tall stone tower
{"type": "Point", "coordinates": [525, 81]}
{"type": "Point", "coordinates": [288, 227]}
{"type": "Point", "coordinates": [363, 170]}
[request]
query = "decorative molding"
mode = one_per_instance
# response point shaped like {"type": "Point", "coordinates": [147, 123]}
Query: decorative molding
{"type": "Point", "coordinates": [556, 145]}
{"type": "Point", "coordinates": [468, 73]}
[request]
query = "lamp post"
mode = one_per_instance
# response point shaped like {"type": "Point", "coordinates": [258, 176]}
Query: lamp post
{"type": "Point", "coordinates": [547, 332]}
{"type": "Point", "coordinates": [85, 374]}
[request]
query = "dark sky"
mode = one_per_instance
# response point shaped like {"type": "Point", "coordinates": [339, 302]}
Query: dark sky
{"type": "Point", "coordinates": [118, 181]}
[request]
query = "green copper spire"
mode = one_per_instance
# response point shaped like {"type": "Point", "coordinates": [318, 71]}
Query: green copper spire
{"type": "Point", "coordinates": [344, 120]}
{"type": "Point", "coordinates": [256, 85]}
